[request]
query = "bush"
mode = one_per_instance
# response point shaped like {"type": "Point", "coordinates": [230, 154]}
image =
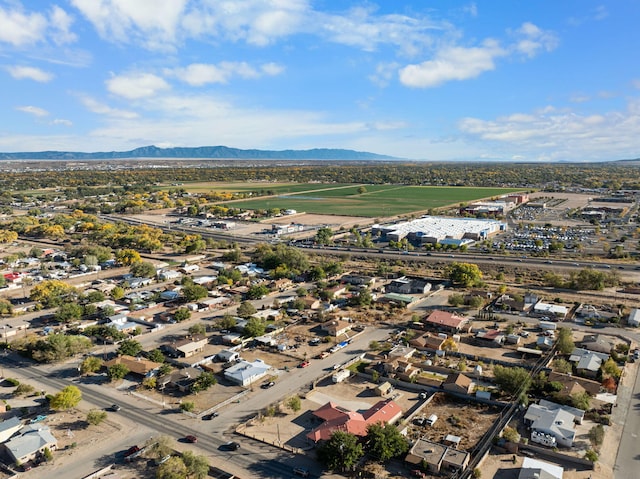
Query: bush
{"type": "Point", "coordinates": [12, 381]}
{"type": "Point", "coordinates": [591, 455]}
{"type": "Point", "coordinates": [96, 416]}
{"type": "Point", "coordinates": [187, 406]}
{"type": "Point", "coordinates": [477, 473]}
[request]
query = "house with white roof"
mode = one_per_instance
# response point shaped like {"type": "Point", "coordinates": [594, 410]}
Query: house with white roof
{"type": "Point", "coordinates": [535, 469]}
{"type": "Point", "coordinates": [554, 420]}
{"type": "Point", "coordinates": [634, 318]}
{"type": "Point", "coordinates": [245, 373]}
{"type": "Point", "coordinates": [9, 427]}
{"type": "Point", "coordinates": [588, 363]}
{"type": "Point", "coordinates": [551, 310]}
{"type": "Point", "coordinates": [32, 442]}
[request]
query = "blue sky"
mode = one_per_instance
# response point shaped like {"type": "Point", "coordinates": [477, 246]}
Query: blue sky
{"type": "Point", "coordinates": [508, 80]}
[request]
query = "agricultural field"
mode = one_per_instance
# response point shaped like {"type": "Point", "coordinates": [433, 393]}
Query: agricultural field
{"type": "Point", "coordinates": [377, 200]}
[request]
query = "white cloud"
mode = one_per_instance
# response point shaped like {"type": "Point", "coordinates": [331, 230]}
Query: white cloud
{"type": "Point", "coordinates": [198, 74]}
{"type": "Point", "coordinates": [153, 23]}
{"type": "Point", "coordinates": [61, 121]}
{"type": "Point", "coordinates": [452, 63]}
{"type": "Point", "coordinates": [136, 85]}
{"type": "Point", "coordinates": [61, 24]}
{"type": "Point", "coordinates": [100, 108]}
{"type": "Point", "coordinates": [531, 40]}
{"type": "Point", "coordinates": [20, 28]}
{"type": "Point", "coordinates": [561, 134]}
{"type": "Point", "coordinates": [32, 73]}
{"type": "Point", "coordinates": [33, 110]}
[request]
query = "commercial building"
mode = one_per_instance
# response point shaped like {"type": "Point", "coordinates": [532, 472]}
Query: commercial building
{"type": "Point", "coordinates": [434, 229]}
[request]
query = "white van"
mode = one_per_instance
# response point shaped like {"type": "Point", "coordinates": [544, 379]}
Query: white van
{"type": "Point", "coordinates": [431, 420]}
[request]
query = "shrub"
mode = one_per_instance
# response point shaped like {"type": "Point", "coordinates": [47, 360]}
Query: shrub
{"type": "Point", "coordinates": [13, 381]}
{"type": "Point", "coordinates": [591, 455]}
{"type": "Point", "coordinates": [96, 416]}
{"type": "Point", "coordinates": [187, 406]}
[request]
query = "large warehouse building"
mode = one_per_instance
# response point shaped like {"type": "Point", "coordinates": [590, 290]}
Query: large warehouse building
{"type": "Point", "coordinates": [436, 229]}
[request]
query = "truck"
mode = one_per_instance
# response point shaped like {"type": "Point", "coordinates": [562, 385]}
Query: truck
{"type": "Point", "coordinates": [547, 325]}
{"type": "Point", "coordinates": [341, 375]}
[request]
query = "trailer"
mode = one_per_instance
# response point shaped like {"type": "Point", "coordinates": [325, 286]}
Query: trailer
{"type": "Point", "coordinates": [341, 376]}
{"type": "Point", "coordinates": [547, 326]}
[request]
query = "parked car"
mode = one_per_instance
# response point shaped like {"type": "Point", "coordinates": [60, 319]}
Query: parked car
{"type": "Point", "coordinates": [268, 385]}
{"type": "Point", "coordinates": [191, 438]}
{"type": "Point", "coordinates": [304, 364]}
{"type": "Point", "coordinates": [299, 471]}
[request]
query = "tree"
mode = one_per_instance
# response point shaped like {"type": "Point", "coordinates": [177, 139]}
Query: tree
{"type": "Point", "coordinates": [341, 451]}
{"type": "Point", "coordinates": [591, 455]}
{"type": "Point", "coordinates": [610, 368]}
{"type": "Point", "coordinates": [129, 347]}
{"type": "Point", "coordinates": [255, 327]}
{"type": "Point", "coordinates": [324, 236]}
{"type": "Point", "coordinates": [181, 314]}
{"type": "Point", "coordinates": [197, 329]}
{"type": "Point", "coordinates": [455, 300]}
{"type": "Point", "coordinates": [127, 257]}
{"type": "Point", "coordinates": [68, 312]}
{"type": "Point", "coordinates": [52, 293]}
{"type": "Point", "coordinates": [47, 454]}
{"type": "Point", "coordinates": [511, 434]}
{"type": "Point", "coordinates": [194, 292]}
{"type": "Point", "coordinates": [246, 309]}
{"type": "Point", "coordinates": [294, 403]}
{"type": "Point", "coordinates": [464, 274]}
{"type": "Point", "coordinates": [581, 401]}
{"type": "Point", "coordinates": [143, 269]}
{"type": "Point", "coordinates": [361, 190]}
{"type": "Point", "coordinates": [187, 406]}
{"type": "Point", "coordinates": [156, 356]}
{"type": "Point", "coordinates": [68, 398]}
{"type": "Point", "coordinates": [513, 381]}
{"type": "Point", "coordinates": [565, 342]}
{"type": "Point", "coordinates": [384, 442]}
{"type": "Point", "coordinates": [562, 366]}
{"type": "Point", "coordinates": [203, 382]}
{"type": "Point", "coordinates": [96, 416]}
{"type": "Point", "coordinates": [117, 372]}
{"type": "Point", "coordinates": [258, 291]}
{"type": "Point", "coordinates": [596, 435]}
{"type": "Point", "coordinates": [117, 293]}
{"type": "Point", "coordinates": [90, 364]}
{"type": "Point", "coordinates": [227, 322]}
{"type": "Point", "coordinates": [197, 466]}
{"type": "Point", "coordinates": [173, 468]}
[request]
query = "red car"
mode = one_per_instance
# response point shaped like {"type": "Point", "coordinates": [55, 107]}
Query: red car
{"type": "Point", "coordinates": [304, 364]}
{"type": "Point", "coordinates": [191, 438]}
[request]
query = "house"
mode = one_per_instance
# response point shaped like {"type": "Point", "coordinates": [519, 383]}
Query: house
{"type": "Point", "coordinates": [426, 341]}
{"type": "Point", "coordinates": [336, 291]}
{"type": "Point", "coordinates": [189, 346]}
{"type": "Point", "coordinates": [168, 275]}
{"type": "Point", "coordinates": [335, 418]}
{"type": "Point", "coordinates": [31, 443]}
{"type": "Point", "coordinates": [401, 351]}
{"type": "Point", "coordinates": [507, 303]}
{"type": "Point", "coordinates": [551, 310]}
{"type": "Point", "coordinates": [9, 427]}
{"type": "Point", "coordinates": [574, 385]}
{"type": "Point", "coordinates": [598, 343]}
{"type": "Point", "coordinates": [535, 469]}
{"type": "Point", "coordinates": [281, 284]}
{"type": "Point", "coordinates": [358, 280]}
{"type": "Point", "coordinates": [493, 338]}
{"type": "Point", "coordinates": [180, 379]}
{"type": "Point", "coordinates": [555, 420]}
{"type": "Point", "coordinates": [458, 383]}
{"type": "Point", "coordinates": [436, 457]}
{"type": "Point", "coordinates": [634, 318]}
{"type": "Point", "coordinates": [406, 285]}
{"type": "Point", "coordinates": [544, 342]}
{"type": "Point", "coordinates": [588, 363]}
{"type": "Point", "coordinates": [135, 283]}
{"type": "Point", "coordinates": [268, 314]}
{"type": "Point", "coordinates": [336, 328]}
{"type": "Point", "coordinates": [121, 322]}
{"type": "Point", "coordinates": [397, 298]}
{"type": "Point", "coordinates": [227, 355]}
{"type": "Point", "coordinates": [244, 373]}
{"type": "Point", "coordinates": [311, 302]}
{"type": "Point", "coordinates": [139, 366]}
{"type": "Point", "coordinates": [445, 321]}
{"type": "Point", "coordinates": [384, 389]}
{"type": "Point", "coordinates": [169, 295]}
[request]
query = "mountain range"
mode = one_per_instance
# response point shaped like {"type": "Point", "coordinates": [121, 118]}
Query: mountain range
{"type": "Point", "coordinates": [215, 152]}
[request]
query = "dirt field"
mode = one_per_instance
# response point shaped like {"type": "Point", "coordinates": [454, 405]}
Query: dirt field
{"type": "Point", "coordinates": [467, 420]}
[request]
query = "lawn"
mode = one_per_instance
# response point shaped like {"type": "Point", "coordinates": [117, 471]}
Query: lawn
{"type": "Point", "coordinates": [378, 200]}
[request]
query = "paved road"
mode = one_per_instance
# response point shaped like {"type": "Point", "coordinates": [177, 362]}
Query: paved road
{"type": "Point", "coordinates": [627, 464]}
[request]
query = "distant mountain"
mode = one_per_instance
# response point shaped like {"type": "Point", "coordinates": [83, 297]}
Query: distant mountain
{"type": "Point", "coordinates": [200, 152]}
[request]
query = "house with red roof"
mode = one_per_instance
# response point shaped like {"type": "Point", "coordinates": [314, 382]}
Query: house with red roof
{"type": "Point", "coordinates": [336, 418]}
{"type": "Point", "coordinates": [13, 277]}
{"type": "Point", "coordinates": [445, 321]}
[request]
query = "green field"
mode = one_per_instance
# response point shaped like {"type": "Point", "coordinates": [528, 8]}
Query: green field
{"type": "Point", "coordinates": [378, 200]}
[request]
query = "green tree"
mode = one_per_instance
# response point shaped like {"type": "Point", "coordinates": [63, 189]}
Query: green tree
{"type": "Point", "coordinates": [181, 314]}
{"type": "Point", "coordinates": [294, 403]}
{"type": "Point", "coordinates": [255, 327]}
{"type": "Point", "coordinates": [143, 269]}
{"type": "Point", "coordinates": [117, 372]}
{"type": "Point", "coordinates": [246, 309]}
{"type": "Point", "coordinates": [187, 406]}
{"type": "Point", "coordinates": [156, 356]}
{"type": "Point", "coordinates": [194, 292]}
{"type": "Point", "coordinates": [91, 364]}
{"type": "Point", "coordinates": [384, 442]}
{"type": "Point", "coordinates": [562, 366]}
{"type": "Point", "coordinates": [96, 416]}
{"type": "Point", "coordinates": [596, 435]}
{"type": "Point", "coordinates": [197, 466]}
{"type": "Point", "coordinates": [227, 322]}
{"type": "Point", "coordinates": [565, 342]}
{"type": "Point", "coordinates": [258, 291]}
{"type": "Point", "coordinates": [581, 401]}
{"type": "Point", "coordinates": [47, 454]}
{"type": "Point", "coordinates": [68, 398]}
{"type": "Point", "coordinates": [591, 455]}
{"type": "Point", "coordinates": [129, 347]}
{"type": "Point", "coordinates": [174, 468]}
{"type": "Point", "coordinates": [341, 451]}
{"type": "Point", "coordinates": [117, 293]}
{"type": "Point", "coordinates": [68, 312]}
{"type": "Point", "coordinates": [513, 381]}
{"type": "Point", "coordinates": [511, 434]}
{"type": "Point", "coordinates": [455, 300]}
{"type": "Point", "coordinates": [197, 329]}
{"type": "Point", "coordinates": [464, 274]}
{"type": "Point", "coordinates": [127, 257]}
{"type": "Point", "coordinates": [610, 368]}
{"type": "Point", "coordinates": [324, 236]}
